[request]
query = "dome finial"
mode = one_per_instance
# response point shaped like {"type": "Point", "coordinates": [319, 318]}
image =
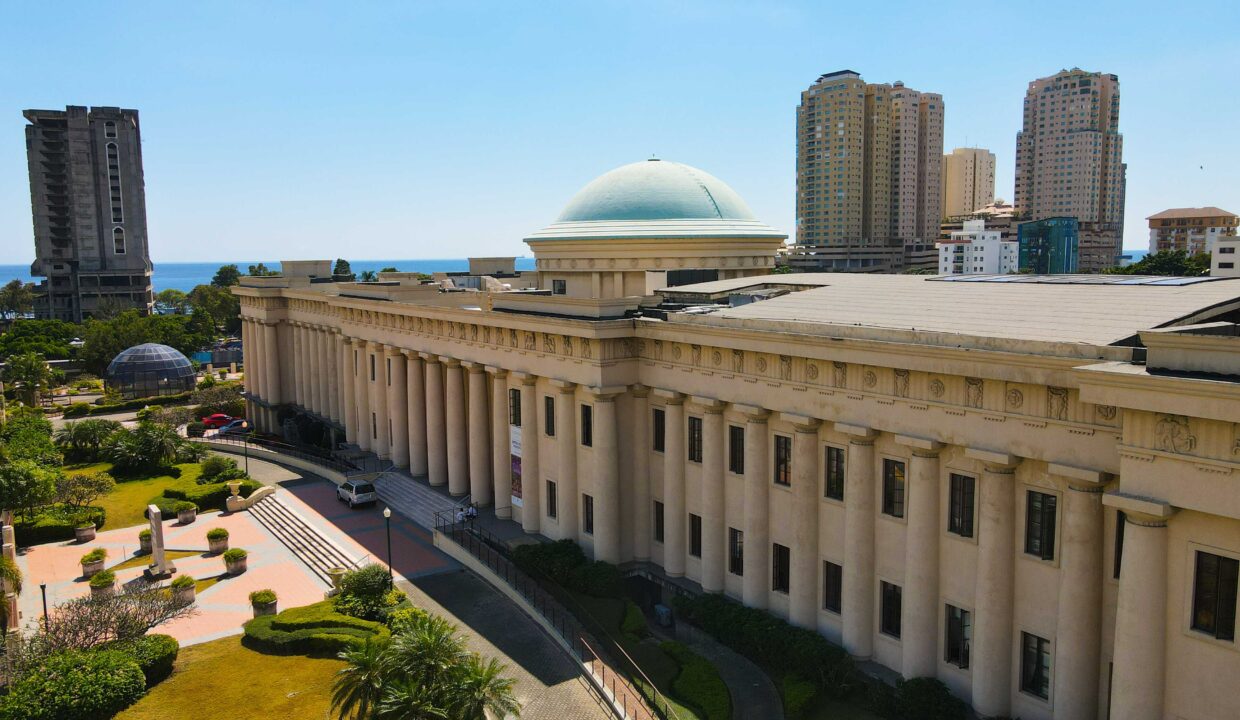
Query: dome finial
{"type": "Point", "coordinates": [653, 158]}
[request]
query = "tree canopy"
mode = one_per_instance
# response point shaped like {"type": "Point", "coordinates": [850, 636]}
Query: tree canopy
{"type": "Point", "coordinates": [105, 338]}
{"type": "Point", "coordinates": [261, 270]}
{"type": "Point", "coordinates": [16, 298]}
{"type": "Point", "coordinates": [49, 338]}
{"type": "Point", "coordinates": [342, 270]}
{"type": "Point", "coordinates": [226, 276]}
{"type": "Point", "coordinates": [219, 304]}
{"type": "Point", "coordinates": [1168, 262]}
{"type": "Point", "coordinates": [173, 301]}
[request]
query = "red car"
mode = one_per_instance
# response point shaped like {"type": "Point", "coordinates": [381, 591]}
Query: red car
{"type": "Point", "coordinates": [217, 420]}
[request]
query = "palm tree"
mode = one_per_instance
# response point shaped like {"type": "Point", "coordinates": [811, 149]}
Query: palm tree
{"type": "Point", "coordinates": [367, 276]}
{"type": "Point", "coordinates": [359, 685]}
{"type": "Point", "coordinates": [426, 652]}
{"type": "Point", "coordinates": [407, 699]}
{"type": "Point", "coordinates": [159, 442]}
{"type": "Point", "coordinates": [480, 687]}
{"type": "Point", "coordinates": [29, 374]}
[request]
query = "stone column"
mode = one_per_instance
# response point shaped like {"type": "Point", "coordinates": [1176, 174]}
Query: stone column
{"type": "Point", "coordinates": [415, 387]}
{"type": "Point", "coordinates": [920, 623]}
{"type": "Point", "coordinates": [641, 473]}
{"type": "Point", "coordinates": [378, 400]}
{"type": "Point", "coordinates": [299, 368]}
{"type": "Point", "coordinates": [257, 365]}
{"type": "Point", "coordinates": [857, 603]}
{"type": "Point", "coordinates": [531, 473]}
{"type": "Point", "coordinates": [348, 386]}
{"type": "Point", "coordinates": [1078, 636]}
{"type": "Point", "coordinates": [996, 560]}
{"type": "Point", "coordinates": [713, 537]}
{"type": "Point", "coordinates": [330, 373]}
{"type": "Point", "coordinates": [361, 391]}
{"type": "Point", "coordinates": [271, 352]}
{"type": "Point", "coordinates": [756, 585]}
{"type": "Point", "coordinates": [247, 352]}
{"type": "Point", "coordinates": [674, 485]}
{"type": "Point", "coordinates": [314, 372]}
{"type": "Point", "coordinates": [606, 476]}
{"type": "Point", "coordinates": [457, 441]}
{"type": "Point", "coordinates": [566, 456]}
{"type": "Point", "coordinates": [398, 408]}
{"type": "Point", "coordinates": [479, 436]}
{"type": "Point", "coordinates": [501, 444]}
{"type": "Point", "coordinates": [1137, 682]}
{"type": "Point", "coordinates": [436, 429]}
{"type": "Point", "coordinates": [803, 598]}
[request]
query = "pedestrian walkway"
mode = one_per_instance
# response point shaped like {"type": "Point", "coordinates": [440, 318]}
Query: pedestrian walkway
{"type": "Point", "coordinates": [753, 693]}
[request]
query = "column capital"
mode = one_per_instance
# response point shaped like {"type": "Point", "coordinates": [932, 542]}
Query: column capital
{"type": "Point", "coordinates": [1146, 511]}
{"type": "Point", "coordinates": [449, 362]}
{"type": "Point", "coordinates": [708, 405]}
{"type": "Point", "coordinates": [605, 393]}
{"type": "Point", "coordinates": [921, 447]}
{"type": "Point", "coordinates": [995, 462]}
{"type": "Point", "coordinates": [753, 413]}
{"type": "Point", "coordinates": [429, 357]}
{"type": "Point", "coordinates": [524, 377]}
{"type": "Point", "coordinates": [1079, 478]}
{"type": "Point", "coordinates": [860, 434]}
{"type": "Point", "coordinates": [802, 423]}
{"type": "Point", "coordinates": [473, 367]}
{"type": "Point", "coordinates": [564, 386]}
{"type": "Point", "coordinates": [639, 391]}
{"type": "Point", "coordinates": [498, 372]}
{"type": "Point", "coordinates": [671, 397]}
{"type": "Point", "coordinates": [410, 354]}
{"type": "Point", "coordinates": [358, 343]}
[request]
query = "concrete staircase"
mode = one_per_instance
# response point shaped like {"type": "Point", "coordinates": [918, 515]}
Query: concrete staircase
{"type": "Point", "coordinates": [310, 546]}
{"type": "Point", "coordinates": [414, 498]}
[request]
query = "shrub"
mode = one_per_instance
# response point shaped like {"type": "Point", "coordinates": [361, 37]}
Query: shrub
{"type": "Point", "coordinates": [563, 562]}
{"type": "Point", "coordinates": [54, 524]}
{"type": "Point", "coordinates": [103, 579]}
{"type": "Point", "coordinates": [75, 685]}
{"type": "Point", "coordinates": [144, 534]}
{"type": "Point", "coordinates": [698, 684]}
{"type": "Point", "coordinates": [190, 452]}
{"type": "Point", "coordinates": [797, 694]}
{"type": "Point", "coordinates": [316, 630]}
{"type": "Point", "coordinates": [217, 534]}
{"type": "Point", "coordinates": [262, 597]}
{"type": "Point", "coordinates": [207, 497]}
{"type": "Point", "coordinates": [404, 618]}
{"type": "Point", "coordinates": [94, 555]}
{"type": "Point", "coordinates": [633, 626]}
{"type": "Point", "coordinates": [235, 554]}
{"type": "Point", "coordinates": [78, 490]}
{"type": "Point", "coordinates": [195, 429]}
{"type": "Point", "coordinates": [180, 582]}
{"type": "Point", "coordinates": [155, 654]}
{"type": "Point", "coordinates": [216, 468]}
{"type": "Point", "coordinates": [917, 699]}
{"type": "Point", "coordinates": [77, 409]}
{"type": "Point", "coordinates": [183, 506]}
{"type": "Point", "coordinates": [139, 403]}
{"type": "Point", "coordinates": [599, 579]}
{"type": "Point", "coordinates": [367, 593]}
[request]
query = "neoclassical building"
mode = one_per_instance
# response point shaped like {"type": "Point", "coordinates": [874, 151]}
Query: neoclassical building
{"type": "Point", "coordinates": [1027, 487]}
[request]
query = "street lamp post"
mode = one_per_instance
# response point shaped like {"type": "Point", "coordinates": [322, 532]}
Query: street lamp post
{"type": "Point", "coordinates": [43, 589]}
{"type": "Point", "coordinates": [387, 521]}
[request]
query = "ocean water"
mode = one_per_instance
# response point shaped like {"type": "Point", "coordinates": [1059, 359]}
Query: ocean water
{"type": "Point", "coordinates": [184, 276]}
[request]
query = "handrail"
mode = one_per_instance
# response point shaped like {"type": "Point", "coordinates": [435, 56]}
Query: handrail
{"type": "Point", "coordinates": [282, 448]}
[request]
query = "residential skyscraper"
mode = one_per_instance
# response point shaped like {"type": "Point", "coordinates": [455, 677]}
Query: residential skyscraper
{"type": "Point", "coordinates": [869, 176]}
{"type": "Point", "coordinates": [1192, 230]}
{"type": "Point", "coordinates": [968, 181]}
{"type": "Point", "coordinates": [88, 200]}
{"type": "Point", "coordinates": [1069, 160]}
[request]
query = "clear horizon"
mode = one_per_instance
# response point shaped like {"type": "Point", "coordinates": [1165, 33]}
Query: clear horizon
{"type": "Point", "coordinates": [401, 129]}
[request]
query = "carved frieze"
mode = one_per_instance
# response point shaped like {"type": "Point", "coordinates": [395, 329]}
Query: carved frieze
{"type": "Point", "coordinates": [1174, 434]}
{"type": "Point", "coordinates": [839, 374]}
{"type": "Point", "coordinates": [1057, 403]}
{"type": "Point", "coordinates": [1015, 398]}
{"type": "Point", "coordinates": [937, 388]}
{"type": "Point", "coordinates": [974, 388]}
{"type": "Point", "coordinates": [901, 387]}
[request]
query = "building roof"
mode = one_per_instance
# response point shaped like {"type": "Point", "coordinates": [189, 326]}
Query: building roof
{"type": "Point", "coordinates": [1094, 310]}
{"type": "Point", "coordinates": [1177, 213]}
{"type": "Point", "coordinates": [655, 199]}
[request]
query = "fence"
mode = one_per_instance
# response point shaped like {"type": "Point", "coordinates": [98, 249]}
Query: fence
{"type": "Point", "coordinates": [302, 453]}
{"type": "Point", "coordinates": [625, 695]}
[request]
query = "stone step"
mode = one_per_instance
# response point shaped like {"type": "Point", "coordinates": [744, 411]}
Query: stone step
{"type": "Point", "coordinates": [413, 498]}
{"type": "Point", "coordinates": [310, 546]}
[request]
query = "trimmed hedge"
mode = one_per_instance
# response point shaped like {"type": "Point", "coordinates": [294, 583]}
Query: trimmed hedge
{"type": "Point", "coordinates": [139, 403]}
{"type": "Point", "coordinates": [564, 562]}
{"type": "Point", "coordinates": [698, 684]}
{"type": "Point", "coordinates": [53, 525]}
{"type": "Point", "coordinates": [213, 496]}
{"type": "Point", "coordinates": [773, 643]}
{"type": "Point", "coordinates": [633, 625]}
{"type": "Point", "coordinates": [314, 630]}
{"type": "Point", "coordinates": [75, 685]}
{"type": "Point", "coordinates": [155, 654]}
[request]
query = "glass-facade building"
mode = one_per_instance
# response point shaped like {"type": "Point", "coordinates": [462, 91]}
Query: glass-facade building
{"type": "Point", "coordinates": [1050, 246]}
{"type": "Point", "coordinates": [148, 370]}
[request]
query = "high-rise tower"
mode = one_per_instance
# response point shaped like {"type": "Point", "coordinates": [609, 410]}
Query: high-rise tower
{"type": "Point", "coordinates": [1069, 160]}
{"type": "Point", "coordinates": [968, 181]}
{"type": "Point", "coordinates": [869, 176]}
{"type": "Point", "coordinates": [89, 205]}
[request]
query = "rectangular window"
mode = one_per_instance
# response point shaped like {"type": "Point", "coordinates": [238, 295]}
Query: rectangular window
{"type": "Point", "coordinates": [355, 363]}
{"type": "Point", "coordinates": [549, 416]}
{"type": "Point", "coordinates": [891, 599]}
{"type": "Point", "coordinates": [388, 362]}
{"type": "Point", "coordinates": [736, 449]}
{"type": "Point", "coordinates": [1214, 595]}
{"type": "Point", "coordinates": [695, 439]}
{"type": "Point", "coordinates": [832, 586]}
{"type": "Point", "coordinates": [960, 505]}
{"type": "Point", "coordinates": [781, 568]}
{"type": "Point", "coordinates": [374, 427]}
{"type": "Point", "coordinates": [1040, 525]}
{"type": "Point", "coordinates": [658, 429]}
{"type": "Point", "coordinates": [695, 535]}
{"type": "Point", "coordinates": [1120, 521]}
{"type": "Point", "coordinates": [587, 425]}
{"type": "Point", "coordinates": [552, 500]}
{"type": "Point", "coordinates": [1035, 665]}
{"type": "Point", "coordinates": [957, 637]}
{"type": "Point", "coordinates": [372, 368]}
{"type": "Point", "coordinates": [559, 287]}
{"type": "Point", "coordinates": [833, 473]}
{"type": "Point", "coordinates": [893, 488]}
{"type": "Point", "coordinates": [587, 514]}
{"type": "Point", "coordinates": [514, 407]}
{"type": "Point", "coordinates": [783, 460]}
{"type": "Point", "coordinates": [736, 551]}
{"type": "Point", "coordinates": [658, 521]}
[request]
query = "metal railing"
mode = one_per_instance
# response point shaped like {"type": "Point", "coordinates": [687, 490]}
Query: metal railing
{"type": "Point", "coordinates": [300, 452]}
{"type": "Point", "coordinates": [626, 696]}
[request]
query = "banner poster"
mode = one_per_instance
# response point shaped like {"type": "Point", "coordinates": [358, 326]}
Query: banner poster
{"type": "Point", "coordinates": [514, 441]}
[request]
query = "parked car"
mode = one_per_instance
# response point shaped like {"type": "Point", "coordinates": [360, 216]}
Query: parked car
{"type": "Point", "coordinates": [239, 426]}
{"type": "Point", "coordinates": [217, 420]}
{"type": "Point", "coordinates": [357, 493]}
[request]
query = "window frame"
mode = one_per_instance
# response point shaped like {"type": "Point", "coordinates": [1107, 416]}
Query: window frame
{"type": "Point", "coordinates": [833, 482]}
{"type": "Point", "coordinates": [693, 451]}
{"type": "Point", "coordinates": [832, 587]}
{"type": "Point", "coordinates": [587, 514]}
{"type": "Point", "coordinates": [894, 488]}
{"type": "Point", "coordinates": [1041, 524]}
{"type": "Point", "coordinates": [1224, 607]}
{"type": "Point", "coordinates": [781, 573]}
{"type": "Point", "coordinates": [548, 416]}
{"type": "Point", "coordinates": [587, 425]}
{"type": "Point", "coordinates": [736, 449]}
{"type": "Point", "coordinates": [695, 535]}
{"type": "Point", "coordinates": [890, 619]}
{"type": "Point", "coordinates": [553, 499]}
{"type": "Point", "coordinates": [957, 651]}
{"type": "Point", "coordinates": [658, 522]}
{"type": "Point", "coordinates": [736, 552]}
{"type": "Point", "coordinates": [1117, 545]}
{"type": "Point", "coordinates": [1043, 649]}
{"type": "Point", "coordinates": [514, 407]}
{"type": "Point", "coordinates": [658, 429]}
{"type": "Point", "coordinates": [781, 461]}
{"type": "Point", "coordinates": [962, 521]}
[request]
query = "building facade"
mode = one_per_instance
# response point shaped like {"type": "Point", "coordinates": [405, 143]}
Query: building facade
{"type": "Point", "coordinates": [1223, 261]}
{"type": "Point", "coordinates": [968, 181]}
{"type": "Point", "coordinates": [1069, 160]}
{"type": "Point", "coordinates": [1013, 485]}
{"type": "Point", "coordinates": [1049, 246]}
{"type": "Point", "coordinates": [88, 199]}
{"type": "Point", "coordinates": [974, 250]}
{"type": "Point", "coordinates": [1191, 230]}
{"type": "Point", "coordinates": [869, 176]}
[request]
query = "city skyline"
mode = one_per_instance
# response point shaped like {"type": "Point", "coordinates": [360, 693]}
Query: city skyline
{"type": "Point", "coordinates": [381, 131]}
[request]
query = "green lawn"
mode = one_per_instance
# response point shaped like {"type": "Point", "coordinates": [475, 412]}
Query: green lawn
{"type": "Point", "coordinates": [126, 505]}
{"type": "Point", "coordinates": [144, 560]}
{"type": "Point", "coordinates": [223, 679]}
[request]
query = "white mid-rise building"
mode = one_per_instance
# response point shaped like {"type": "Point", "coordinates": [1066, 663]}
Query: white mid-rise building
{"type": "Point", "coordinates": [1225, 257]}
{"type": "Point", "coordinates": [975, 250]}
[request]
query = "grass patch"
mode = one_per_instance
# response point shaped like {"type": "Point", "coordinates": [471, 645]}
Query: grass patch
{"type": "Point", "coordinates": [825, 708]}
{"type": "Point", "coordinates": [126, 505]}
{"type": "Point", "coordinates": [144, 560]}
{"type": "Point", "coordinates": [222, 679]}
{"type": "Point", "coordinates": [201, 584]}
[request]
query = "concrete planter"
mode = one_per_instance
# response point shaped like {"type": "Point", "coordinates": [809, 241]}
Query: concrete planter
{"type": "Point", "coordinates": [185, 517]}
{"type": "Point", "coordinates": [84, 534]}
{"type": "Point", "coordinates": [144, 545]}
{"type": "Point", "coordinates": [234, 487]}
{"type": "Point", "coordinates": [217, 546]}
{"type": "Point", "coordinates": [106, 591]}
{"type": "Point", "coordinates": [90, 569]}
{"type": "Point", "coordinates": [185, 595]}
{"type": "Point", "coordinates": [264, 609]}
{"type": "Point", "coordinates": [235, 567]}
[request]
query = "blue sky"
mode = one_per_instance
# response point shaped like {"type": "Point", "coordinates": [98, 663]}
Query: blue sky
{"type": "Point", "coordinates": [445, 129]}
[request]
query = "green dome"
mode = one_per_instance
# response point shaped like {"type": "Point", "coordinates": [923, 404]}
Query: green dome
{"type": "Point", "coordinates": [656, 190]}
